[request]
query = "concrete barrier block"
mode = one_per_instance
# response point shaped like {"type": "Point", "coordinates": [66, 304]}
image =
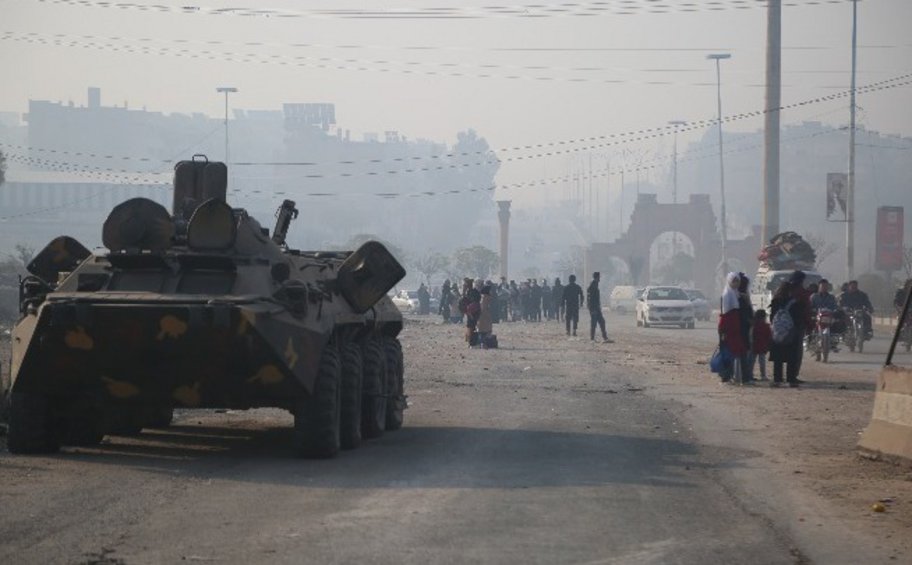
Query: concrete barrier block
{"type": "Point", "coordinates": [890, 430]}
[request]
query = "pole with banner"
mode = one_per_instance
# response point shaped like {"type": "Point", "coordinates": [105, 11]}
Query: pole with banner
{"type": "Point", "coordinates": [837, 191]}
{"type": "Point", "coordinates": [889, 245]}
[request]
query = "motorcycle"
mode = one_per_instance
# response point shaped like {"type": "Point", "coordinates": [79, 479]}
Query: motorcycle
{"type": "Point", "coordinates": [822, 339]}
{"type": "Point", "coordinates": [855, 330]}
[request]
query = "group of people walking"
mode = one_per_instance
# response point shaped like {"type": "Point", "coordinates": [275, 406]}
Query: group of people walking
{"type": "Point", "coordinates": [480, 304]}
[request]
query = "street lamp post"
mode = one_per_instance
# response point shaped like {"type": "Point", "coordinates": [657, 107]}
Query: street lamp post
{"type": "Point", "coordinates": [850, 197]}
{"type": "Point", "coordinates": [674, 186]}
{"type": "Point", "coordinates": [718, 57]}
{"type": "Point", "coordinates": [227, 90]}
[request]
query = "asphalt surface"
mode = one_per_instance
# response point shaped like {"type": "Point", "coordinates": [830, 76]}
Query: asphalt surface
{"type": "Point", "coordinates": [548, 450]}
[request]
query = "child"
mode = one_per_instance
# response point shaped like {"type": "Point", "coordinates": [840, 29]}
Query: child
{"type": "Point", "coordinates": [761, 335]}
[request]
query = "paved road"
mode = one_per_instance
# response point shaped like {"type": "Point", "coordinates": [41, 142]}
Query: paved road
{"type": "Point", "coordinates": [545, 451]}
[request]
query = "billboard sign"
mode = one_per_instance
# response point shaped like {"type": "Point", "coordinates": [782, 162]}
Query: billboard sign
{"type": "Point", "coordinates": [889, 252]}
{"type": "Point", "coordinates": [837, 191]}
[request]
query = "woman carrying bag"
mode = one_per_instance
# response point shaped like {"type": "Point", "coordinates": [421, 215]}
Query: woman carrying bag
{"type": "Point", "coordinates": [731, 339]}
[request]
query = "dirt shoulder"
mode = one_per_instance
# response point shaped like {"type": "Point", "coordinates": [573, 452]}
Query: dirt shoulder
{"type": "Point", "coordinates": [805, 440]}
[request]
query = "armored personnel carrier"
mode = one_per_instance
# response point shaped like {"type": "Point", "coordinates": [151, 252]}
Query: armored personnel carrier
{"type": "Point", "coordinates": [204, 308]}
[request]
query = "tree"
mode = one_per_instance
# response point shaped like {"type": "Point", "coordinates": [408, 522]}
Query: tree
{"type": "Point", "coordinates": [477, 261]}
{"type": "Point", "coordinates": [2, 168]}
{"type": "Point", "coordinates": [531, 272]}
{"type": "Point", "coordinates": [430, 264]}
{"type": "Point", "coordinates": [571, 263]}
{"type": "Point", "coordinates": [822, 247]}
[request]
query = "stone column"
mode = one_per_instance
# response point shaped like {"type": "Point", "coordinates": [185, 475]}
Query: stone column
{"type": "Point", "coordinates": [504, 216]}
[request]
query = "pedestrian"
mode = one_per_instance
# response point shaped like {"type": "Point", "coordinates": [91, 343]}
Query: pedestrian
{"type": "Point", "coordinates": [746, 318]}
{"type": "Point", "coordinates": [446, 297]}
{"type": "Point", "coordinates": [515, 302]}
{"type": "Point", "coordinates": [547, 305]}
{"type": "Point", "coordinates": [761, 337]}
{"type": "Point", "coordinates": [557, 304]}
{"type": "Point", "coordinates": [485, 316]}
{"type": "Point", "coordinates": [730, 334]}
{"type": "Point", "coordinates": [471, 301]}
{"type": "Point", "coordinates": [424, 300]}
{"type": "Point", "coordinates": [594, 303]}
{"type": "Point", "coordinates": [786, 353]}
{"type": "Point", "coordinates": [570, 302]}
{"type": "Point", "coordinates": [535, 300]}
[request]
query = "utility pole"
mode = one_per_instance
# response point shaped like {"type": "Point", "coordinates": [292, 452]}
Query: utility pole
{"type": "Point", "coordinates": [226, 90]}
{"type": "Point", "coordinates": [771, 125]}
{"type": "Point", "coordinates": [674, 188]}
{"type": "Point", "coordinates": [723, 222]}
{"type": "Point", "coordinates": [850, 197]}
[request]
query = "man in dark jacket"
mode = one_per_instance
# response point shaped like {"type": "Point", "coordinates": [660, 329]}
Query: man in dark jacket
{"type": "Point", "coordinates": [594, 302]}
{"type": "Point", "coordinates": [570, 302]}
{"type": "Point", "coordinates": [855, 299]}
{"type": "Point", "coordinates": [557, 293]}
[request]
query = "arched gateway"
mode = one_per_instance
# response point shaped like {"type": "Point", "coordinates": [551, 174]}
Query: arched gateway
{"type": "Point", "coordinates": [695, 219]}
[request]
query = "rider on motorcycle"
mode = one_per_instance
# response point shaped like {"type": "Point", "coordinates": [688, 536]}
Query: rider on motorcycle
{"type": "Point", "coordinates": [824, 300]}
{"type": "Point", "coordinates": [855, 299]}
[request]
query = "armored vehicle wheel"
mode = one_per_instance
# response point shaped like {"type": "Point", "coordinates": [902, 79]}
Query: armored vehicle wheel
{"type": "Point", "coordinates": [373, 400]}
{"type": "Point", "coordinates": [124, 421]}
{"type": "Point", "coordinates": [395, 389]}
{"type": "Point", "coordinates": [85, 429]}
{"type": "Point", "coordinates": [161, 417]}
{"type": "Point", "coordinates": [31, 426]}
{"type": "Point", "coordinates": [350, 432]}
{"type": "Point", "coordinates": [316, 419]}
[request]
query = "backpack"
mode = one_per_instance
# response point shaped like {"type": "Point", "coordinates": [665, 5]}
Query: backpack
{"type": "Point", "coordinates": [783, 326]}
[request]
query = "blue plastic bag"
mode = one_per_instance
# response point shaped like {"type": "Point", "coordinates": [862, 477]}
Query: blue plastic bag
{"type": "Point", "coordinates": [721, 358]}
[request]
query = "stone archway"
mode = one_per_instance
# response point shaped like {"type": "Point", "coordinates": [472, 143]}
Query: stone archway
{"type": "Point", "coordinates": [668, 253]}
{"type": "Point", "coordinates": [694, 218]}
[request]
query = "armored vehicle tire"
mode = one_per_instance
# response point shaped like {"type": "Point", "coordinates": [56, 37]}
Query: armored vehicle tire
{"type": "Point", "coordinates": [395, 393]}
{"type": "Point", "coordinates": [350, 423]}
{"type": "Point", "coordinates": [161, 417]}
{"type": "Point", "coordinates": [85, 429]}
{"type": "Point", "coordinates": [316, 419]}
{"type": "Point", "coordinates": [31, 426]}
{"type": "Point", "coordinates": [123, 421]}
{"type": "Point", "coordinates": [373, 400]}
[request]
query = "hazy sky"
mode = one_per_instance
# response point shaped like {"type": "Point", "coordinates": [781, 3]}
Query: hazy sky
{"type": "Point", "coordinates": [524, 80]}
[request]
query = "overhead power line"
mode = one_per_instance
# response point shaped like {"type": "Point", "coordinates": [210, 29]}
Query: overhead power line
{"type": "Point", "coordinates": [518, 11]}
{"type": "Point", "coordinates": [530, 73]}
{"type": "Point", "coordinates": [203, 50]}
{"type": "Point", "coordinates": [615, 172]}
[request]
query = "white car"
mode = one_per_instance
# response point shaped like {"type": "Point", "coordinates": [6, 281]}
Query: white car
{"type": "Point", "coordinates": [664, 305]}
{"type": "Point", "coordinates": [623, 299]}
{"type": "Point", "coordinates": [406, 300]}
{"type": "Point", "coordinates": [701, 305]}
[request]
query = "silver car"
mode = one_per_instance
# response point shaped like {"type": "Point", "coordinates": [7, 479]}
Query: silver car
{"type": "Point", "coordinates": [701, 307]}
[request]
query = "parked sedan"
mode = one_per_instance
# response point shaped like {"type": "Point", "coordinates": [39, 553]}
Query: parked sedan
{"type": "Point", "coordinates": [406, 300]}
{"type": "Point", "coordinates": [664, 305]}
{"type": "Point", "coordinates": [701, 305]}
